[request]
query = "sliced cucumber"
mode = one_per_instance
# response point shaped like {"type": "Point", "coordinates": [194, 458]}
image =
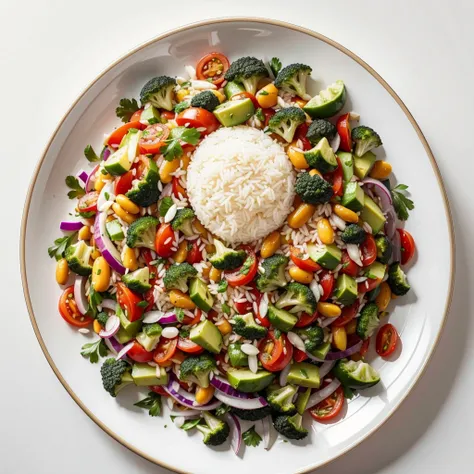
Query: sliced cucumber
{"type": "Point", "coordinates": [118, 163]}
{"type": "Point", "coordinates": [357, 375]}
{"type": "Point", "coordinates": [328, 102]}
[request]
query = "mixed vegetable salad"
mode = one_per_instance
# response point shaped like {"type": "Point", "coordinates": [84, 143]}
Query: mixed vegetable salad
{"type": "Point", "coordinates": [268, 331]}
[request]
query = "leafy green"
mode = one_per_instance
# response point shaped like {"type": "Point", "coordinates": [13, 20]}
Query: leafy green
{"type": "Point", "coordinates": [90, 154]}
{"type": "Point", "coordinates": [173, 148]}
{"type": "Point", "coordinates": [222, 286]}
{"type": "Point", "coordinates": [260, 115]}
{"type": "Point", "coordinates": [189, 425]}
{"type": "Point", "coordinates": [225, 308]}
{"type": "Point", "coordinates": [126, 109]}
{"type": "Point", "coordinates": [60, 245]}
{"type": "Point", "coordinates": [142, 304]}
{"type": "Point", "coordinates": [245, 268]}
{"type": "Point", "coordinates": [95, 299]}
{"type": "Point", "coordinates": [275, 66]}
{"type": "Point", "coordinates": [94, 350]}
{"type": "Point", "coordinates": [179, 314]}
{"type": "Point", "coordinates": [165, 204]}
{"type": "Point", "coordinates": [181, 106]}
{"type": "Point", "coordinates": [222, 410]}
{"type": "Point", "coordinates": [77, 190]}
{"type": "Point", "coordinates": [152, 403]}
{"type": "Point", "coordinates": [251, 437]}
{"type": "Point", "coordinates": [401, 202]}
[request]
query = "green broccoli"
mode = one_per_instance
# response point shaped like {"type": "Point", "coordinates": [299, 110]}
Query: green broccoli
{"type": "Point", "coordinates": [141, 232]}
{"type": "Point", "coordinates": [397, 280]}
{"type": "Point", "coordinates": [115, 375]}
{"type": "Point", "coordinates": [181, 106]}
{"type": "Point", "coordinates": [248, 71]}
{"type": "Point", "coordinates": [197, 369]}
{"type": "Point", "coordinates": [138, 281]}
{"type": "Point", "coordinates": [159, 92]}
{"type": "Point", "coordinates": [205, 100]}
{"type": "Point", "coordinates": [320, 128]}
{"type": "Point", "coordinates": [368, 321]}
{"type": "Point", "coordinates": [145, 192]}
{"type": "Point", "coordinates": [215, 431]}
{"type": "Point", "coordinates": [183, 221]}
{"type": "Point", "coordinates": [292, 78]}
{"type": "Point", "coordinates": [274, 273]}
{"type": "Point", "coordinates": [313, 337]}
{"type": "Point", "coordinates": [78, 256]}
{"type": "Point", "coordinates": [252, 415]}
{"type": "Point", "coordinates": [353, 234]}
{"type": "Point", "coordinates": [177, 276]}
{"type": "Point", "coordinates": [365, 139]}
{"type": "Point", "coordinates": [226, 258]}
{"type": "Point", "coordinates": [384, 248]}
{"type": "Point", "coordinates": [290, 426]}
{"type": "Point", "coordinates": [149, 336]}
{"type": "Point", "coordinates": [286, 121]}
{"type": "Point", "coordinates": [281, 398]}
{"type": "Point", "coordinates": [102, 318]}
{"type": "Point", "coordinates": [300, 297]}
{"type": "Point", "coordinates": [313, 189]}
{"type": "Point", "coordinates": [245, 326]}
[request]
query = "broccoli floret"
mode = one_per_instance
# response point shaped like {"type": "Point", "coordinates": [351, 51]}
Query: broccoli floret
{"type": "Point", "coordinates": [397, 280]}
{"type": "Point", "coordinates": [290, 426]}
{"type": "Point", "coordinates": [183, 221]}
{"type": "Point", "coordinates": [353, 234]}
{"type": "Point", "coordinates": [368, 321]}
{"type": "Point", "coordinates": [145, 192]}
{"type": "Point", "coordinates": [181, 106]}
{"type": "Point", "coordinates": [142, 232]}
{"type": "Point", "coordinates": [248, 71]}
{"type": "Point", "coordinates": [245, 326]}
{"type": "Point", "coordinates": [177, 276]}
{"type": "Point", "coordinates": [320, 128]}
{"type": "Point", "coordinates": [205, 100]}
{"type": "Point", "coordinates": [159, 91]}
{"type": "Point", "coordinates": [196, 369]}
{"type": "Point", "coordinates": [78, 256]}
{"type": "Point", "coordinates": [102, 318]}
{"type": "Point", "coordinates": [149, 336]}
{"type": "Point", "coordinates": [115, 375]}
{"type": "Point", "coordinates": [312, 336]}
{"type": "Point", "coordinates": [384, 248]}
{"type": "Point", "coordinates": [292, 78]}
{"type": "Point", "coordinates": [313, 189]}
{"type": "Point", "coordinates": [215, 431]}
{"type": "Point", "coordinates": [286, 121]}
{"type": "Point", "coordinates": [139, 280]}
{"type": "Point", "coordinates": [274, 273]}
{"type": "Point", "coordinates": [281, 398]}
{"type": "Point", "coordinates": [252, 415]}
{"type": "Point", "coordinates": [226, 258]}
{"type": "Point", "coordinates": [365, 139]}
{"type": "Point", "coordinates": [299, 297]}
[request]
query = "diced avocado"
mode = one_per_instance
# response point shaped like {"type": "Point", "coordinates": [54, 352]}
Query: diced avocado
{"type": "Point", "coordinates": [372, 214]}
{"type": "Point", "coordinates": [346, 289]}
{"type": "Point", "coordinates": [304, 374]}
{"type": "Point", "coordinates": [133, 144]}
{"type": "Point", "coordinates": [354, 197]}
{"type": "Point", "coordinates": [328, 102]}
{"type": "Point", "coordinates": [233, 88]}
{"type": "Point", "coordinates": [376, 271]}
{"type": "Point", "coordinates": [328, 256]}
{"type": "Point", "coordinates": [237, 358]}
{"type": "Point", "coordinates": [118, 163]}
{"type": "Point", "coordinates": [234, 112]}
{"type": "Point", "coordinates": [207, 335]}
{"type": "Point", "coordinates": [150, 115]}
{"type": "Point", "coordinates": [302, 400]}
{"type": "Point", "coordinates": [364, 164]}
{"type": "Point", "coordinates": [322, 350]}
{"type": "Point", "coordinates": [321, 157]}
{"type": "Point", "coordinates": [246, 381]}
{"type": "Point", "coordinates": [138, 281]}
{"type": "Point", "coordinates": [358, 375]}
{"type": "Point", "coordinates": [128, 330]}
{"type": "Point", "coordinates": [347, 164]}
{"type": "Point", "coordinates": [144, 375]}
{"type": "Point", "coordinates": [199, 293]}
{"type": "Point", "coordinates": [114, 230]}
{"type": "Point", "coordinates": [281, 319]}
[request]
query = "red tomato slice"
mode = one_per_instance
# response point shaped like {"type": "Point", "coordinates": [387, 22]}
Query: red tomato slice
{"type": "Point", "coordinates": [280, 355]}
{"type": "Point", "coordinates": [407, 246]}
{"type": "Point", "coordinates": [368, 285]}
{"type": "Point", "coordinates": [146, 253]}
{"type": "Point", "coordinates": [330, 407]}
{"type": "Point", "coordinates": [246, 273]}
{"type": "Point", "coordinates": [212, 66]}
{"type": "Point", "coordinates": [164, 241]}
{"type": "Point", "coordinates": [299, 356]}
{"type": "Point", "coordinates": [159, 390]}
{"type": "Point", "coordinates": [368, 250]}
{"type": "Point", "coordinates": [124, 183]}
{"type": "Point", "coordinates": [305, 264]}
{"type": "Point", "coordinates": [387, 340]}
{"type": "Point", "coordinates": [197, 118]}
{"type": "Point", "coordinates": [365, 347]}
{"type": "Point", "coordinates": [68, 309]}
{"type": "Point", "coordinates": [194, 255]}
{"type": "Point", "coordinates": [88, 202]}
{"type": "Point", "coordinates": [186, 345]}
{"type": "Point", "coordinates": [300, 134]}
{"type": "Point", "coordinates": [149, 297]}
{"type": "Point", "coordinates": [349, 267]}
{"type": "Point", "coordinates": [246, 95]}
{"type": "Point", "coordinates": [165, 350]}
{"type": "Point", "coordinates": [269, 113]}
{"type": "Point", "coordinates": [116, 136]}
{"type": "Point", "coordinates": [306, 319]}
{"type": "Point", "coordinates": [128, 301]}
{"type": "Point", "coordinates": [344, 130]}
{"type": "Point", "coordinates": [153, 138]}
{"type": "Point", "coordinates": [326, 280]}
{"type": "Point", "coordinates": [197, 318]}
{"type": "Point", "coordinates": [136, 116]}
{"type": "Point", "coordinates": [178, 189]}
{"type": "Point", "coordinates": [336, 178]}
{"type": "Point", "coordinates": [347, 315]}
{"type": "Point", "coordinates": [167, 115]}
{"type": "Point", "coordinates": [139, 354]}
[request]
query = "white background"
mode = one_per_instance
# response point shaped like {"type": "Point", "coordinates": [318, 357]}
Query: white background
{"type": "Point", "coordinates": [50, 50]}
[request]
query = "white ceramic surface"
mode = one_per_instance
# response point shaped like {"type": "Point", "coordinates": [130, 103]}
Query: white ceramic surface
{"type": "Point", "coordinates": [419, 316]}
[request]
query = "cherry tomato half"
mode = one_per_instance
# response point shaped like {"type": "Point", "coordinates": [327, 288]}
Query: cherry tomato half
{"type": "Point", "coordinates": [349, 267]}
{"type": "Point", "coordinates": [368, 250]}
{"type": "Point", "coordinates": [128, 301]}
{"type": "Point", "coordinates": [153, 138]}
{"type": "Point", "coordinates": [194, 255]}
{"type": "Point", "coordinates": [159, 390]}
{"type": "Point", "coordinates": [165, 350]}
{"type": "Point", "coordinates": [149, 297]}
{"type": "Point", "coordinates": [186, 345]}
{"type": "Point", "coordinates": [139, 354]}
{"type": "Point", "coordinates": [407, 246]}
{"type": "Point", "coordinates": [197, 318]}
{"type": "Point", "coordinates": [306, 319]}
{"type": "Point", "coordinates": [136, 116]}
{"type": "Point", "coordinates": [178, 189]}
{"type": "Point", "coordinates": [336, 178]}
{"type": "Point", "coordinates": [300, 134]}
{"type": "Point", "coordinates": [279, 356]}
{"type": "Point", "coordinates": [246, 273]}
{"type": "Point", "coordinates": [212, 66]}
{"type": "Point", "coordinates": [326, 280]}
{"type": "Point", "coordinates": [299, 356]}
{"type": "Point", "coordinates": [330, 407]}
{"type": "Point", "coordinates": [368, 285]}
{"type": "Point", "coordinates": [344, 130]}
{"type": "Point", "coordinates": [365, 347]}
{"type": "Point", "coordinates": [246, 95]}
{"type": "Point", "coordinates": [198, 118]}
{"type": "Point", "coordinates": [69, 311]}
{"type": "Point", "coordinates": [387, 340]}
{"type": "Point", "coordinates": [123, 183]}
{"type": "Point", "coordinates": [164, 241]}
{"type": "Point", "coordinates": [116, 136]}
{"type": "Point", "coordinates": [303, 263]}
{"type": "Point", "coordinates": [348, 314]}
{"type": "Point", "coordinates": [88, 202]}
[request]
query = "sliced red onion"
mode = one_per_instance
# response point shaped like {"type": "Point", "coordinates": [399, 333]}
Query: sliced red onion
{"type": "Point", "coordinates": [390, 223]}
{"type": "Point", "coordinates": [111, 327]}
{"type": "Point", "coordinates": [105, 245]}
{"type": "Point", "coordinates": [235, 432]}
{"type": "Point", "coordinates": [396, 251]}
{"type": "Point", "coordinates": [83, 176]}
{"type": "Point", "coordinates": [187, 399]}
{"type": "Point", "coordinates": [105, 154]}
{"type": "Point", "coordinates": [343, 354]}
{"type": "Point", "coordinates": [242, 403]}
{"type": "Point", "coordinates": [124, 350]}
{"type": "Point", "coordinates": [284, 375]}
{"type": "Point", "coordinates": [114, 346]}
{"type": "Point", "coordinates": [109, 304]}
{"type": "Point", "coordinates": [71, 226]}
{"type": "Point", "coordinates": [322, 394]}
{"type": "Point", "coordinates": [91, 179]}
{"type": "Point", "coordinates": [224, 386]}
{"type": "Point", "coordinates": [335, 142]}
{"type": "Point", "coordinates": [326, 368]}
{"type": "Point", "coordinates": [80, 294]}
{"type": "Point", "coordinates": [152, 317]}
{"type": "Point", "coordinates": [380, 190]}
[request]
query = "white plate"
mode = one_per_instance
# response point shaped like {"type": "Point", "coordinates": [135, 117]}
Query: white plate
{"type": "Point", "coordinates": [419, 316]}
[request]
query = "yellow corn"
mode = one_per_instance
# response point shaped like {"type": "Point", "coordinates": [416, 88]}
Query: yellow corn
{"type": "Point", "coordinates": [270, 245]}
{"type": "Point", "coordinates": [329, 310]}
{"type": "Point", "coordinates": [166, 168]}
{"type": "Point", "coordinates": [301, 102]}
{"type": "Point", "coordinates": [180, 300]}
{"type": "Point", "coordinates": [314, 172]}
{"type": "Point", "coordinates": [215, 275]}
{"type": "Point", "coordinates": [204, 395]}
{"type": "Point", "coordinates": [84, 233]}
{"type": "Point", "coordinates": [62, 272]}
{"type": "Point", "coordinates": [96, 326]}
{"type": "Point", "coordinates": [301, 215]}
{"type": "Point", "coordinates": [123, 214]}
{"type": "Point", "coordinates": [219, 95]}
{"type": "Point", "coordinates": [95, 254]}
{"type": "Point", "coordinates": [345, 214]}
{"type": "Point", "coordinates": [325, 231]}
{"type": "Point", "coordinates": [180, 255]}
{"type": "Point", "coordinates": [339, 338]}
{"type": "Point", "coordinates": [351, 327]}
{"type": "Point", "coordinates": [130, 259]}
{"type": "Point", "coordinates": [185, 160]}
{"type": "Point", "coordinates": [381, 170]}
{"type": "Point", "coordinates": [181, 94]}
{"type": "Point", "coordinates": [296, 157]}
{"type": "Point", "coordinates": [384, 297]}
{"type": "Point", "coordinates": [301, 276]}
{"type": "Point", "coordinates": [126, 204]}
{"type": "Point", "coordinates": [100, 274]}
{"type": "Point", "coordinates": [101, 180]}
{"type": "Point", "coordinates": [267, 96]}
{"type": "Point", "coordinates": [224, 326]}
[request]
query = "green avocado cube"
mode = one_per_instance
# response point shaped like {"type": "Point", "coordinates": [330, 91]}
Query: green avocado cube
{"type": "Point", "coordinates": [346, 290]}
{"type": "Point", "coordinates": [353, 197]}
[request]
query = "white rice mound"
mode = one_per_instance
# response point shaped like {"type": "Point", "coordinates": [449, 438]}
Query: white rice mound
{"type": "Point", "coordinates": [240, 184]}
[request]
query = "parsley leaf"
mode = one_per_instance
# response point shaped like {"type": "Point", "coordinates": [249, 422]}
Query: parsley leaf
{"type": "Point", "coordinates": [245, 268]}
{"type": "Point", "coordinates": [189, 425]}
{"type": "Point", "coordinates": [222, 410]}
{"type": "Point", "coordinates": [90, 154]}
{"type": "Point", "coordinates": [126, 109]}
{"type": "Point", "coordinates": [94, 350]}
{"type": "Point", "coordinates": [275, 66]}
{"type": "Point", "coordinates": [184, 333]}
{"type": "Point", "coordinates": [142, 304]}
{"type": "Point", "coordinates": [225, 308]}
{"type": "Point", "coordinates": [77, 189]}
{"type": "Point", "coordinates": [260, 115]}
{"type": "Point", "coordinates": [60, 245]}
{"type": "Point", "coordinates": [152, 403]}
{"type": "Point", "coordinates": [165, 204]}
{"type": "Point", "coordinates": [263, 92]}
{"type": "Point", "coordinates": [251, 437]}
{"type": "Point", "coordinates": [173, 148]}
{"type": "Point", "coordinates": [401, 202]}
{"type": "Point", "coordinates": [222, 286]}
{"type": "Point", "coordinates": [179, 314]}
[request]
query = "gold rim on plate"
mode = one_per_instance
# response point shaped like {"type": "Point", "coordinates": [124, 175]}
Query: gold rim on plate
{"type": "Point", "coordinates": [148, 43]}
